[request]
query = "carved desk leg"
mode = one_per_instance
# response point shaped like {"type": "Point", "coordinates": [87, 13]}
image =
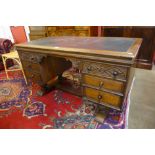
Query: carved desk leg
{"type": "Point", "coordinates": [49, 77]}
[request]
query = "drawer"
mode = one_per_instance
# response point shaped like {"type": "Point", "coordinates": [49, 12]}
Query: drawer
{"type": "Point", "coordinates": [102, 83]}
{"type": "Point", "coordinates": [32, 57]}
{"type": "Point", "coordinates": [34, 77]}
{"type": "Point", "coordinates": [105, 70]}
{"type": "Point", "coordinates": [103, 97]}
{"type": "Point", "coordinates": [31, 67]}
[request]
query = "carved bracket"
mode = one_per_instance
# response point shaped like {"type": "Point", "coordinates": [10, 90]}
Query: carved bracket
{"type": "Point", "coordinates": [76, 72]}
{"type": "Point", "coordinates": [76, 63]}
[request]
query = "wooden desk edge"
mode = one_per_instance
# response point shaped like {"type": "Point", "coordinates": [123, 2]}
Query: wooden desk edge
{"type": "Point", "coordinates": [130, 54]}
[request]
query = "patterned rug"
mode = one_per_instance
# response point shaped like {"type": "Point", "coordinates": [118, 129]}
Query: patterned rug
{"type": "Point", "coordinates": [20, 108]}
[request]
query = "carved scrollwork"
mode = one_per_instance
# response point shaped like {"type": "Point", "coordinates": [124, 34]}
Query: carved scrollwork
{"type": "Point", "coordinates": [105, 70]}
{"type": "Point", "coordinates": [76, 63]}
{"type": "Point", "coordinates": [76, 71]}
{"type": "Point", "coordinates": [32, 57]}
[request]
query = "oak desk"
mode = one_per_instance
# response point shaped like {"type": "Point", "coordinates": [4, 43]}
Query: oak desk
{"type": "Point", "coordinates": [102, 66]}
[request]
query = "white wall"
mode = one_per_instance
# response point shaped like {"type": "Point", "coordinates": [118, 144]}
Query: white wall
{"type": "Point", "coordinates": [5, 32]}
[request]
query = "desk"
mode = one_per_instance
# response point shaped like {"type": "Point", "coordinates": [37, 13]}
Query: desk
{"type": "Point", "coordinates": [102, 66]}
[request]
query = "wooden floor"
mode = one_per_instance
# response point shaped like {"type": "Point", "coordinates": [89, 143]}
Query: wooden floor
{"type": "Point", "coordinates": [142, 106]}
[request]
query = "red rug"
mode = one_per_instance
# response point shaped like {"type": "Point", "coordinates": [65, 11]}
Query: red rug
{"type": "Point", "coordinates": [20, 108]}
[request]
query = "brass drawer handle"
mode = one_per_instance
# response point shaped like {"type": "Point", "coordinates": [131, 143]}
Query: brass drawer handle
{"type": "Point", "coordinates": [115, 73]}
{"type": "Point", "coordinates": [101, 84]}
{"type": "Point", "coordinates": [32, 58]}
{"type": "Point", "coordinates": [99, 97]}
{"type": "Point", "coordinates": [89, 68]}
{"type": "Point", "coordinates": [32, 76]}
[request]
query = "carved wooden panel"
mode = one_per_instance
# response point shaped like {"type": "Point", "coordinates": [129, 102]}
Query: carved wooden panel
{"type": "Point", "coordinates": [105, 70]}
{"type": "Point", "coordinates": [32, 57]}
{"type": "Point", "coordinates": [76, 63]}
{"type": "Point", "coordinates": [31, 67]}
{"type": "Point", "coordinates": [75, 72]}
{"type": "Point", "coordinates": [33, 77]}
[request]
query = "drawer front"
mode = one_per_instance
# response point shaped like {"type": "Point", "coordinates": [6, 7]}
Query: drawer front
{"type": "Point", "coordinates": [103, 97]}
{"type": "Point", "coordinates": [34, 77]}
{"type": "Point", "coordinates": [102, 83]}
{"type": "Point", "coordinates": [105, 70]}
{"type": "Point", "coordinates": [31, 67]}
{"type": "Point", "coordinates": [32, 57]}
